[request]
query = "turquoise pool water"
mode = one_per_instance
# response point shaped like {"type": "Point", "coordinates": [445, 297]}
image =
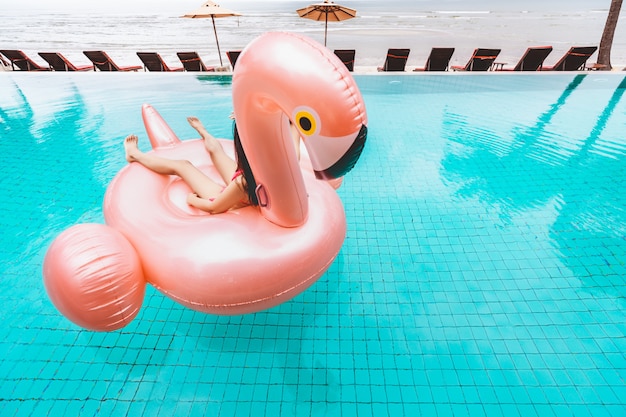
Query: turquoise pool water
{"type": "Point", "coordinates": [483, 273]}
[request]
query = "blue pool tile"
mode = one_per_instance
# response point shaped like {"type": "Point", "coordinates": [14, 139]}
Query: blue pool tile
{"type": "Point", "coordinates": [473, 410]}
{"type": "Point", "coordinates": [137, 408]}
{"type": "Point", "coordinates": [615, 410]}
{"type": "Point", "coordinates": [183, 408]}
{"type": "Point", "coordinates": [119, 408]}
{"type": "Point", "coordinates": [552, 410]}
{"type": "Point", "coordinates": [73, 408]}
{"type": "Point", "coordinates": [167, 408]}
{"type": "Point", "coordinates": [492, 409]}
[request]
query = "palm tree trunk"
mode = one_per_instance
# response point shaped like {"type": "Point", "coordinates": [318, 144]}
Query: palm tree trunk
{"type": "Point", "coordinates": [604, 53]}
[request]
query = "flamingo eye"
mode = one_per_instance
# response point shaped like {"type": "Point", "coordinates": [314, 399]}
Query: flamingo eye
{"type": "Point", "coordinates": [306, 121]}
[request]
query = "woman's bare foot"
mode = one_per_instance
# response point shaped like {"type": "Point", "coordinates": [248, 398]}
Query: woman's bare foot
{"type": "Point", "coordinates": [130, 146]}
{"type": "Point", "coordinates": [197, 124]}
{"type": "Point", "coordinates": [210, 143]}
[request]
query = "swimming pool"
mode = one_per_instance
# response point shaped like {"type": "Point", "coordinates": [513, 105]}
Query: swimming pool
{"type": "Point", "coordinates": [483, 273]}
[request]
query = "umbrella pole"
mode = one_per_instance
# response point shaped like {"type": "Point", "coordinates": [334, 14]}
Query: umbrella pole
{"type": "Point", "coordinates": [326, 29]}
{"type": "Point", "coordinates": [219, 53]}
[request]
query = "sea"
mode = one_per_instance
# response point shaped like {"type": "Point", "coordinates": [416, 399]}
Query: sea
{"type": "Point", "coordinates": [123, 28]}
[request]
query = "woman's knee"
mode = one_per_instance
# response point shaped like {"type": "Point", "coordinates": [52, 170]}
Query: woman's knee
{"type": "Point", "coordinates": [182, 165]}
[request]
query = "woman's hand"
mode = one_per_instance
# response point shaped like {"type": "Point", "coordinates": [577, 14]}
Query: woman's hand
{"type": "Point", "coordinates": [232, 195]}
{"type": "Point", "coordinates": [192, 199]}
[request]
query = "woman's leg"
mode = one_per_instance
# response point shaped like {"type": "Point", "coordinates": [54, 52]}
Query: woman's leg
{"type": "Point", "coordinates": [223, 163]}
{"type": "Point", "coordinates": [193, 177]}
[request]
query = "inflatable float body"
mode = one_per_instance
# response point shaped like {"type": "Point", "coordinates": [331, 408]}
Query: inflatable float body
{"type": "Point", "coordinates": [247, 259]}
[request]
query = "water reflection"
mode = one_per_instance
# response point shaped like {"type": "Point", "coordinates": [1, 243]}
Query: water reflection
{"type": "Point", "coordinates": [544, 168]}
{"type": "Point", "coordinates": [216, 79]}
{"type": "Point", "coordinates": [46, 149]}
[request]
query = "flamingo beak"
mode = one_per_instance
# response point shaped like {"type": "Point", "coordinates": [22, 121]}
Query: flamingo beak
{"type": "Point", "coordinates": [346, 162]}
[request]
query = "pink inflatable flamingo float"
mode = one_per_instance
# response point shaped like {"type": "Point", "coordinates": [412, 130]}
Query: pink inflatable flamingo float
{"type": "Point", "coordinates": [245, 260]}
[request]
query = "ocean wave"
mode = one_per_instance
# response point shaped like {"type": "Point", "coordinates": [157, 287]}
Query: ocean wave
{"type": "Point", "coordinates": [463, 11]}
{"type": "Point", "coordinates": [392, 16]}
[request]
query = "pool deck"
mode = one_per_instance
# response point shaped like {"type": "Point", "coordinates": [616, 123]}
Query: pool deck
{"type": "Point", "coordinates": [359, 69]}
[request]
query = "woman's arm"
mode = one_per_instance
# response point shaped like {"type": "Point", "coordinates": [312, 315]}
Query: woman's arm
{"type": "Point", "coordinates": [232, 195]}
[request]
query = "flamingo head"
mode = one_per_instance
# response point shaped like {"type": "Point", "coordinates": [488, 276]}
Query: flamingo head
{"type": "Point", "coordinates": [294, 75]}
{"type": "Point", "coordinates": [334, 144]}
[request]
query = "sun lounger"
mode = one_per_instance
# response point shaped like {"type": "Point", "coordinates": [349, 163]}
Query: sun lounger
{"type": "Point", "coordinates": [20, 60]}
{"type": "Point", "coordinates": [152, 61]}
{"type": "Point", "coordinates": [438, 60]}
{"type": "Point", "coordinates": [59, 63]}
{"type": "Point", "coordinates": [347, 57]}
{"type": "Point", "coordinates": [395, 60]}
{"type": "Point", "coordinates": [532, 60]}
{"type": "Point", "coordinates": [4, 63]}
{"type": "Point", "coordinates": [574, 59]}
{"type": "Point", "coordinates": [103, 62]}
{"type": "Point", "coordinates": [481, 60]}
{"type": "Point", "coordinates": [232, 57]}
{"type": "Point", "coordinates": [192, 62]}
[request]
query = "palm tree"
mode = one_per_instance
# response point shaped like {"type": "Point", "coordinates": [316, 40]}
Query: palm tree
{"type": "Point", "coordinates": [604, 54]}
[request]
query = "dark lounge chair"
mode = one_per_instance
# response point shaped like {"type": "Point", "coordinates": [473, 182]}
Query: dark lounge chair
{"type": "Point", "coordinates": [21, 61]}
{"type": "Point", "coordinates": [347, 57]}
{"type": "Point", "coordinates": [192, 62]}
{"type": "Point", "coordinates": [395, 60]}
{"type": "Point", "coordinates": [232, 57]}
{"type": "Point", "coordinates": [481, 60]}
{"type": "Point", "coordinates": [574, 59]}
{"type": "Point", "coordinates": [532, 60]}
{"type": "Point", "coordinates": [103, 62]}
{"type": "Point", "coordinates": [438, 60]}
{"type": "Point", "coordinates": [4, 63]}
{"type": "Point", "coordinates": [152, 61]}
{"type": "Point", "coordinates": [59, 63]}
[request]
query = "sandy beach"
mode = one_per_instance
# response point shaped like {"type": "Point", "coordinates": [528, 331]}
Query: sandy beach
{"type": "Point", "coordinates": [420, 25]}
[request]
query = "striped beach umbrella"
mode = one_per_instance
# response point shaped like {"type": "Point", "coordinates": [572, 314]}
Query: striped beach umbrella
{"type": "Point", "coordinates": [328, 11]}
{"type": "Point", "coordinates": [212, 10]}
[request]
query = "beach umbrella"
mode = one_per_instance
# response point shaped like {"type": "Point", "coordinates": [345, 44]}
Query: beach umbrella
{"type": "Point", "coordinates": [328, 11]}
{"type": "Point", "coordinates": [212, 10]}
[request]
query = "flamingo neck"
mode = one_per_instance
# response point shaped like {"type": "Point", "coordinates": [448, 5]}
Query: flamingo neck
{"type": "Point", "coordinates": [265, 136]}
{"type": "Point", "coordinates": [278, 76]}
